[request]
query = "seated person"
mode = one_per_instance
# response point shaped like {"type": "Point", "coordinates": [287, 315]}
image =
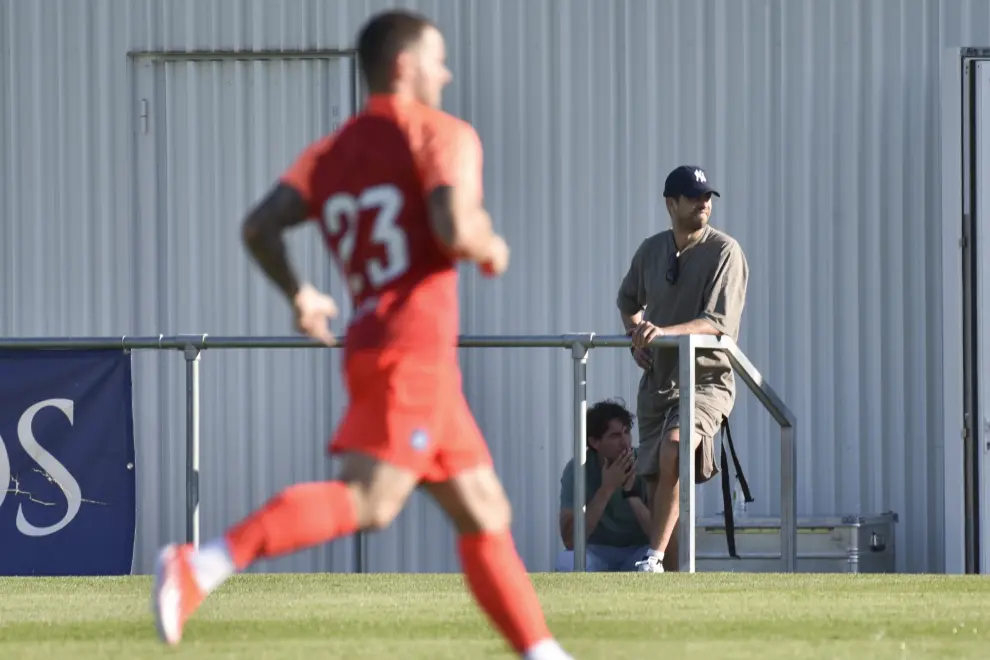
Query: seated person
{"type": "Point", "coordinates": [617, 521]}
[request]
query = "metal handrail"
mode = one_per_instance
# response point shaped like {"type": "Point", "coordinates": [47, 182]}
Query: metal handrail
{"type": "Point", "coordinates": [580, 344]}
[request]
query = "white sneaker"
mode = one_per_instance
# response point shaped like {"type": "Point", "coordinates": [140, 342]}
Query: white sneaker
{"type": "Point", "coordinates": [649, 564]}
{"type": "Point", "coordinates": [546, 650]}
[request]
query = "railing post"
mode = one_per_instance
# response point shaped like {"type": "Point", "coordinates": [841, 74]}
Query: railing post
{"type": "Point", "coordinates": [686, 525]}
{"type": "Point", "coordinates": [579, 353]}
{"type": "Point", "coordinates": [788, 499]}
{"type": "Point", "coordinates": [191, 353]}
{"type": "Point", "coordinates": [360, 551]}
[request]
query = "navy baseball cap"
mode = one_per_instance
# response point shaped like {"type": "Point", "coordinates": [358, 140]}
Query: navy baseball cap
{"type": "Point", "coordinates": [687, 180]}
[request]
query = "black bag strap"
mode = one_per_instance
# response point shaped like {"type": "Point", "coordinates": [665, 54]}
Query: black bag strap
{"type": "Point", "coordinates": [727, 511]}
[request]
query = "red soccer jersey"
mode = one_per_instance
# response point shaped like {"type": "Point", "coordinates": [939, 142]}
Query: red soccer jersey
{"type": "Point", "coordinates": [367, 184]}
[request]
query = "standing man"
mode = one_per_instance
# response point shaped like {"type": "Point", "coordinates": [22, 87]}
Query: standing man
{"type": "Point", "coordinates": [689, 279]}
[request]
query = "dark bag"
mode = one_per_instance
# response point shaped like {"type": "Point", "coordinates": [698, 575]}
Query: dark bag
{"type": "Point", "coordinates": [728, 513]}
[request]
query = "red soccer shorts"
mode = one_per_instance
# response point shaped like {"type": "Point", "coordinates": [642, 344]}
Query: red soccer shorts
{"type": "Point", "coordinates": [410, 412]}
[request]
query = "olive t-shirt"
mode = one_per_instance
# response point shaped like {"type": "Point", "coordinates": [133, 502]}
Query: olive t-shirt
{"type": "Point", "coordinates": [712, 275]}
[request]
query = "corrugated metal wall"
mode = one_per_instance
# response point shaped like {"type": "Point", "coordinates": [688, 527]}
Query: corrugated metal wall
{"type": "Point", "coordinates": [818, 120]}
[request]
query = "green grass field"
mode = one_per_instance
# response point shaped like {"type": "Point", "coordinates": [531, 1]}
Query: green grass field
{"type": "Point", "coordinates": [611, 616]}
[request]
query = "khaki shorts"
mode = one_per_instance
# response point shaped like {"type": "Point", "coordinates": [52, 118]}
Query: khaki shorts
{"type": "Point", "coordinates": [655, 424]}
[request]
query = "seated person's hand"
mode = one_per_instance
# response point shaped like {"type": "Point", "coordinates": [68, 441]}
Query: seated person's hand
{"type": "Point", "coordinates": [616, 473]}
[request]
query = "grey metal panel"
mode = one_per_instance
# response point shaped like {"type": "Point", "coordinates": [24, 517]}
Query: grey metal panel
{"type": "Point", "coordinates": [819, 121]}
{"type": "Point", "coordinates": [954, 524]}
{"type": "Point", "coordinates": [981, 426]}
{"type": "Point", "coordinates": [221, 130]}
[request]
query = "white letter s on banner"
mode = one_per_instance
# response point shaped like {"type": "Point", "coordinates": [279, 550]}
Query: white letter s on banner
{"type": "Point", "coordinates": [4, 472]}
{"type": "Point", "coordinates": [51, 466]}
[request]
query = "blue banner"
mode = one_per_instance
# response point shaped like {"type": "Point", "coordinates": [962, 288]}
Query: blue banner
{"type": "Point", "coordinates": [67, 487]}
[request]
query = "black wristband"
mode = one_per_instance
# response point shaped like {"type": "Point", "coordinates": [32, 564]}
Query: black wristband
{"type": "Point", "coordinates": [632, 492]}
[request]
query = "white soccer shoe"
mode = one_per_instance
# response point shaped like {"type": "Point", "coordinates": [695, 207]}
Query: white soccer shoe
{"type": "Point", "coordinates": [175, 594]}
{"type": "Point", "coordinates": [649, 565]}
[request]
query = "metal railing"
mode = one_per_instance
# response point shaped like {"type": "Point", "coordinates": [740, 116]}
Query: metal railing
{"type": "Point", "coordinates": [579, 345]}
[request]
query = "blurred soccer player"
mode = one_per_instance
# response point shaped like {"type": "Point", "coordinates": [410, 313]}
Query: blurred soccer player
{"type": "Point", "coordinates": [398, 198]}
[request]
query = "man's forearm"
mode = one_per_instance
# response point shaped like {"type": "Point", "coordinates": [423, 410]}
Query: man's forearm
{"type": "Point", "coordinates": [595, 510]}
{"type": "Point", "coordinates": [592, 515]}
{"type": "Point", "coordinates": [631, 321]}
{"type": "Point", "coordinates": [695, 327]}
{"type": "Point", "coordinates": [261, 232]}
{"type": "Point", "coordinates": [472, 238]}
{"type": "Point", "coordinates": [642, 514]}
{"type": "Point", "coordinates": [269, 252]}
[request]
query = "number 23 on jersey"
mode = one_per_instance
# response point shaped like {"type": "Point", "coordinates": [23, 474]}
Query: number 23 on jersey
{"type": "Point", "coordinates": [341, 215]}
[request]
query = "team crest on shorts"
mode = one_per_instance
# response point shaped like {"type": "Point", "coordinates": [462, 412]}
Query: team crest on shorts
{"type": "Point", "coordinates": [419, 440]}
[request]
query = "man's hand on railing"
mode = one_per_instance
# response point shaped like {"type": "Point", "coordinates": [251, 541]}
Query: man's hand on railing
{"type": "Point", "coordinates": [643, 356]}
{"type": "Point", "coordinates": [644, 333]}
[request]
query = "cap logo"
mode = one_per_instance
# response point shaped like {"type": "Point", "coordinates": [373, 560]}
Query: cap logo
{"type": "Point", "coordinates": [699, 176]}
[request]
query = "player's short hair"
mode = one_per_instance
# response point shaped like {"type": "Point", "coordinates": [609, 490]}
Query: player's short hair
{"type": "Point", "coordinates": [382, 39]}
{"type": "Point", "coordinates": [602, 413]}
